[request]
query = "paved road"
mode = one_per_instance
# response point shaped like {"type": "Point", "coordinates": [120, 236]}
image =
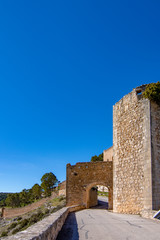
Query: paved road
{"type": "Point", "coordinates": [100, 224]}
{"type": "Point", "coordinates": [102, 203]}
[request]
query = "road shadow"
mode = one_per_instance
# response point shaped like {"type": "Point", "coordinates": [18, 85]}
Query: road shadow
{"type": "Point", "coordinates": [69, 230]}
{"type": "Point", "coordinates": [101, 205]}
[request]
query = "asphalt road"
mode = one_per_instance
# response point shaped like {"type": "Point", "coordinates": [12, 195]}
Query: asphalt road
{"type": "Point", "coordinates": [100, 224]}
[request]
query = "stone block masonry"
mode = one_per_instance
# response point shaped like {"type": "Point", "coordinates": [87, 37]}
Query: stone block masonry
{"type": "Point", "coordinates": [108, 154]}
{"type": "Point", "coordinates": [93, 197]}
{"type": "Point", "coordinates": [155, 147]}
{"type": "Point", "coordinates": [85, 175]}
{"type": "Point", "coordinates": [136, 154]}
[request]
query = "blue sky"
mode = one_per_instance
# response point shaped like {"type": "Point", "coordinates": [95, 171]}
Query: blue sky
{"type": "Point", "coordinates": [63, 65]}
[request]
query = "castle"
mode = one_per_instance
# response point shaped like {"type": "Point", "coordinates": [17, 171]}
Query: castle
{"type": "Point", "coordinates": [131, 168]}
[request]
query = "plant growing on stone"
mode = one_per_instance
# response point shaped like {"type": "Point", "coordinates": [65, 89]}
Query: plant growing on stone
{"type": "Point", "coordinates": [152, 92]}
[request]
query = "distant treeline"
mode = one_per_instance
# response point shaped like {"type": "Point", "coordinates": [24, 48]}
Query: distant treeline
{"type": "Point", "coordinates": [97, 158]}
{"type": "Point", "coordinates": [28, 196]}
{"type": "Point", "coordinates": [3, 196]}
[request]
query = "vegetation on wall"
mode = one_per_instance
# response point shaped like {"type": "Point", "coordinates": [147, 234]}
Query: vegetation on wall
{"type": "Point", "coordinates": [152, 92]}
{"type": "Point", "coordinates": [28, 196]}
{"type": "Point", "coordinates": [97, 158]}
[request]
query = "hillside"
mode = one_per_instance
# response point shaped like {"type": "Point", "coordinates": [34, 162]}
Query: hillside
{"type": "Point", "coordinates": [9, 226]}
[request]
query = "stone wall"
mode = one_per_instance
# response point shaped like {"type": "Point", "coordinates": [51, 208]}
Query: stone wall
{"type": "Point", "coordinates": [136, 148]}
{"type": "Point", "coordinates": [131, 154]}
{"type": "Point", "coordinates": [62, 188]}
{"type": "Point", "coordinates": [108, 154]}
{"type": "Point", "coordinates": [46, 229]}
{"type": "Point", "coordinates": [93, 200]}
{"type": "Point", "coordinates": [83, 176]}
{"type": "Point", "coordinates": [155, 144]}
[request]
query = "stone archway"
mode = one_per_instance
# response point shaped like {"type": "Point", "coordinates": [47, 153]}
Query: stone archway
{"type": "Point", "coordinates": [82, 176]}
{"type": "Point", "coordinates": [87, 195]}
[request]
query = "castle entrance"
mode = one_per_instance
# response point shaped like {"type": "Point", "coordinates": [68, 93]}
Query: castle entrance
{"type": "Point", "coordinates": [97, 196]}
{"type": "Point", "coordinates": [83, 180]}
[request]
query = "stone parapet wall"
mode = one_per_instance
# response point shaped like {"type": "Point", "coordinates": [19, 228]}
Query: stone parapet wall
{"type": "Point", "coordinates": [46, 229]}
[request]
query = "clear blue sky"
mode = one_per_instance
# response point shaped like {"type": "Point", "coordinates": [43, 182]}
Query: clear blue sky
{"type": "Point", "coordinates": [63, 65]}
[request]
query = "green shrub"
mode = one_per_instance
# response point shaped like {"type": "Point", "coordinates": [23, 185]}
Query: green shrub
{"type": "Point", "coordinates": [4, 234]}
{"type": "Point", "coordinates": [46, 211]}
{"type": "Point", "coordinates": [19, 218]}
{"type": "Point", "coordinates": [13, 225]}
{"type": "Point", "coordinates": [152, 92]}
{"type": "Point", "coordinates": [53, 210]}
{"type": "Point", "coordinates": [61, 198]}
{"type": "Point", "coordinates": [33, 219]}
{"type": "Point", "coordinates": [40, 215]}
{"type": "Point", "coordinates": [16, 230]}
{"type": "Point", "coordinates": [36, 217]}
{"type": "Point", "coordinates": [24, 223]}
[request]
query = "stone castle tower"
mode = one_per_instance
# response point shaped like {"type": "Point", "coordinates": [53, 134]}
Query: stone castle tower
{"type": "Point", "coordinates": [136, 154]}
{"type": "Point", "coordinates": [131, 168]}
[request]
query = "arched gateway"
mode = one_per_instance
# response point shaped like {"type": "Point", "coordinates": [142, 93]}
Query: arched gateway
{"type": "Point", "coordinates": [83, 176]}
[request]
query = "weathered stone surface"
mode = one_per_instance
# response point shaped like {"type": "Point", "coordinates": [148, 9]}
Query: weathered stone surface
{"type": "Point", "coordinates": [155, 146]}
{"type": "Point", "coordinates": [136, 154]}
{"type": "Point", "coordinates": [83, 176]}
{"type": "Point", "coordinates": [93, 199]}
{"type": "Point", "coordinates": [108, 154]}
{"type": "Point", "coordinates": [62, 188]}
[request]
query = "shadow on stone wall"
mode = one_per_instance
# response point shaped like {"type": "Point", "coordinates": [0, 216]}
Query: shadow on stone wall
{"type": "Point", "coordinates": [69, 230]}
{"type": "Point", "coordinates": [102, 204]}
